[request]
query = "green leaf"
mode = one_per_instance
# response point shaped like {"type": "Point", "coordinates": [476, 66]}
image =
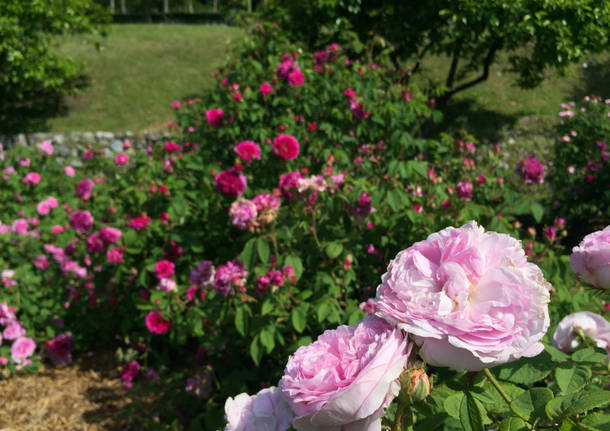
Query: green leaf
{"type": "Point", "coordinates": [247, 255]}
{"type": "Point", "coordinates": [471, 414]}
{"type": "Point", "coordinates": [512, 424]}
{"type": "Point", "coordinates": [267, 339]}
{"type": "Point", "coordinates": [571, 379]}
{"type": "Point", "coordinates": [267, 307]}
{"type": "Point", "coordinates": [255, 350]}
{"type": "Point", "coordinates": [526, 370]}
{"type": "Point", "coordinates": [334, 249]}
{"type": "Point", "coordinates": [537, 211]}
{"type": "Point", "coordinates": [531, 403]}
{"type": "Point", "coordinates": [299, 319]}
{"type": "Point", "coordinates": [597, 420]}
{"type": "Point", "coordinates": [590, 354]}
{"type": "Point", "coordinates": [241, 321]}
{"type": "Point", "coordinates": [452, 404]}
{"type": "Point", "coordinates": [563, 407]}
{"type": "Point", "coordinates": [263, 250]}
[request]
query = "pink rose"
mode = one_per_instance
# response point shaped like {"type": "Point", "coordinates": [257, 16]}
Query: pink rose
{"type": "Point", "coordinates": [592, 325]}
{"type": "Point", "coordinates": [265, 411]}
{"type": "Point", "coordinates": [215, 117]}
{"type": "Point", "coordinates": [347, 377]}
{"type": "Point", "coordinates": [164, 269]}
{"type": "Point", "coordinates": [230, 182]}
{"type": "Point", "coordinates": [20, 226]}
{"type": "Point", "coordinates": [227, 276]}
{"type": "Point", "coordinates": [469, 297]}
{"type": "Point", "coordinates": [296, 78]}
{"type": "Point", "coordinates": [22, 348]}
{"type": "Point", "coordinates": [532, 171]}
{"type": "Point", "coordinates": [591, 259]}
{"type": "Point", "coordinates": [114, 255]}
{"type": "Point", "coordinates": [31, 179]}
{"type": "Point", "coordinates": [52, 202]}
{"type": "Point", "coordinates": [94, 243]}
{"type": "Point", "coordinates": [81, 221]}
{"type": "Point", "coordinates": [286, 147]}
{"type": "Point", "coordinates": [43, 208]}
{"type": "Point", "coordinates": [84, 188]}
{"type": "Point", "coordinates": [156, 324]}
{"type": "Point", "coordinates": [243, 214]}
{"type": "Point", "coordinates": [13, 331]}
{"type": "Point", "coordinates": [69, 171]}
{"type": "Point", "coordinates": [464, 190]}
{"type": "Point", "coordinates": [248, 150]}
{"type": "Point", "coordinates": [265, 88]}
{"type": "Point", "coordinates": [109, 235]}
{"type": "Point", "coordinates": [121, 159]}
{"type": "Point", "coordinates": [46, 147]}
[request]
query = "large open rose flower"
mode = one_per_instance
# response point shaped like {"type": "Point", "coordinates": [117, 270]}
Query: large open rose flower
{"type": "Point", "coordinates": [265, 411]}
{"type": "Point", "coordinates": [469, 297]}
{"type": "Point", "coordinates": [591, 258]}
{"type": "Point", "coordinates": [347, 377]}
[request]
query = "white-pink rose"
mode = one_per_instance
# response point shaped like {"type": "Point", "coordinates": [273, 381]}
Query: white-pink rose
{"type": "Point", "coordinates": [468, 297]}
{"type": "Point", "coordinates": [265, 411]}
{"type": "Point", "coordinates": [591, 258]}
{"type": "Point", "coordinates": [594, 326]}
{"type": "Point", "coordinates": [347, 377]}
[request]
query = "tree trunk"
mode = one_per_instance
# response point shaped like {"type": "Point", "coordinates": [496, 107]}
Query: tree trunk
{"type": "Point", "coordinates": [112, 6]}
{"type": "Point", "coordinates": [249, 2]}
{"type": "Point", "coordinates": [215, 7]}
{"type": "Point", "coordinates": [123, 7]}
{"type": "Point", "coordinates": [190, 7]}
{"type": "Point", "coordinates": [166, 6]}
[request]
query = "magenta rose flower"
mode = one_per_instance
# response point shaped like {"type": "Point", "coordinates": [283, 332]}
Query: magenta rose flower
{"type": "Point", "coordinates": [347, 377]}
{"type": "Point", "coordinates": [296, 78]}
{"type": "Point", "coordinates": [594, 326]}
{"type": "Point", "coordinates": [215, 117]}
{"type": "Point", "coordinates": [81, 221]}
{"type": "Point", "coordinates": [114, 255]}
{"type": "Point", "coordinates": [59, 349]}
{"type": "Point", "coordinates": [243, 214]}
{"type": "Point", "coordinates": [31, 179]}
{"type": "Point", "coordinates": [289, 183]}
{"type": "Point", "coordinates": [265, 411]}
{"type": "Point", "coordinates": [231, 274]}
{"type": "Point", "coordinates": [156, 324]}
{"type": "Point", "coordinates": [109, 235]}
{"type": "Point", "coordinates": [248, 150]}
{"type": "Point", "coordinates": [265, 88]}
{"type": "Point", "coordinates": [164, 269]}
{"type": "Point", "coordinates": [469, 297]}
{"type": "Point", "coordinates": [532, 171]}
{"type": "Point", "coordinates": [286, 147]}
{"type": "Point", "coordinates": [121, 159]}
{"type": "Point", "coordinates": [591, 259]}
{"type": "Point", "coordinates": [231, 182]}
{"type": "Point", "coordinates": [84, 188]}
{"type": "Point", "coordinates": [464, 190]}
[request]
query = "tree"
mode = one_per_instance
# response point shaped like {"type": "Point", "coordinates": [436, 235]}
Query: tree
{"type": "Point", "coordinates": [29, 66]}
{"type": "Point", "coordinates": [534, 34]}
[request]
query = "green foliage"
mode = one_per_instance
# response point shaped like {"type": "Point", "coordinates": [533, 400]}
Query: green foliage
{"type": "Point", "coordinates": [536, 35]}
{"type": "Point", "coordinates": [30, 69]}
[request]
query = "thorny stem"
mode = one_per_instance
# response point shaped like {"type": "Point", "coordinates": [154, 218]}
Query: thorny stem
{"type": "Point", "coordinates": [313, 231]}
{"type": "Point", "coordinates": [504, 395]}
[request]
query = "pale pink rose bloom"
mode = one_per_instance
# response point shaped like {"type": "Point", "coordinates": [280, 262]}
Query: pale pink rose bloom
{"type": "Point", "coordinates": [243, 214]}
{"type": "Point", "coordinates": [52, 202]}
{"type": "Point", "coordinates": [20, 226]}
{"type": "Point", "coordinates": [592, 325]}
{"type": "Point", "coordinates": [468, 297]}
{"type": "Point", "coordinates": [22, 348]}
{"type": "Point", "coordinates": [265, 411]}
{"type": "Point", "coordinates": [46, 147]}
{"type": "Point", "coordinates": [347, 377]}
{"type": "Point", "coordinates": [69, 171]}
{"type": "Point", "coordinates": [591, 259]}
{"type": "Point", "coordinates": [13, 331]}
{"type": "Point", "coordinates": [315, 183]}
{"type": "Point", "coordinates": [43, 208]}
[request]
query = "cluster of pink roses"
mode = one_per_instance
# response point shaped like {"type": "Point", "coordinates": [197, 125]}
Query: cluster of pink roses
{"type": "Point", "coordinates": [22, 347]}
{"type": "Point", "coordinates": [248, 214]}
{"type": "Point", "coordinates": [357, 109]}
{"type": "Point", "coordinates": [444, 292]}
{"type": "Point", "coordinates": [290, 72]}
{"type": "Point", "coordinates": [532, 170]}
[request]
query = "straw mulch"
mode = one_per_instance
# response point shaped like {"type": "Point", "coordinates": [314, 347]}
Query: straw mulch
{"type": "Point", "coordinates": [85, 396]}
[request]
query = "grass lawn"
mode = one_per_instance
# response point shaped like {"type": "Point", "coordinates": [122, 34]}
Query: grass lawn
{"type": "Point", "coordinates": [140, 70]}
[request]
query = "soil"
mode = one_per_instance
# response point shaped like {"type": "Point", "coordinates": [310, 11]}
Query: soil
{"type": "Point", "coordinates": [87, 395]}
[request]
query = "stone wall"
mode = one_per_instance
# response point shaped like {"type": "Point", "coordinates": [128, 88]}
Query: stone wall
{"type": "Point", "coordinates": [74, 144]}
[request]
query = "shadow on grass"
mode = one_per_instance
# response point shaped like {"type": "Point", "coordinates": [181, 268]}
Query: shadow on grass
{"type": "Point", "coordinates": [595, 79]}
{"type": "Point", "coordinates": [32, 113]}
{"type": "Point", "coordinates": [464, 115]}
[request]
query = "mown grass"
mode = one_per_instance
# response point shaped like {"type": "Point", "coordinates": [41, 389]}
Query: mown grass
{"type": "Point", "coordinates": [139, 71]}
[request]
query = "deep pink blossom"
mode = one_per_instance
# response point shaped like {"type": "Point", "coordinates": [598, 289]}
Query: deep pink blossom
{"type": "Point", "coordinates": [231, 182]}
{"type": "Point", "coordinates": [296, 78]}
{"type": "Point", "coordinates": [31, 179]}
{"type": "Point", "coordinates": [156, 324]}
{"type": "Point", "coordinates": [203, 274]}
{"type": "Point", "coordinates": [121, 159]}
{"type": "Point", "coordinates": [265, 88]}
{"type": "Point", "coordinates": [81, 221]}
{"type": "Point", "coordinates": [215, 117]}
{"type": "Point", "coordinates": [138, 223]}
{"type": "Point", "coordinates": [164, 269]}
{"type": "Point", "coordinates": [114, 255]}
{"type": "Point", "coordinates": [532, 171]}
{"type": "Point", "coordinates": [286, 147]}
{"type": "Point", "coordinates": [59, 349]}
{"type": "Point", "coordinates": [109, 235]}
{"type": "Point", "coordinates": [243, 214]}
{"type": "Point", "coordinates": [248, 150]}
{"type": "Point", "coordinates": [228, 276]}
{"type": "Point", "coordinates": [84, 188]}
{"type": "Point", "coordinates": [464, 190]}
